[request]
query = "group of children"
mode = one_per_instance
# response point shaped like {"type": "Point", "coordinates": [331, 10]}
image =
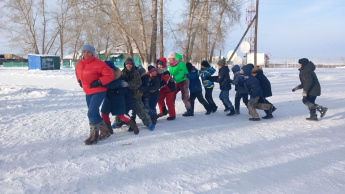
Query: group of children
{"type": "Point", "coordinates": [133, 89]}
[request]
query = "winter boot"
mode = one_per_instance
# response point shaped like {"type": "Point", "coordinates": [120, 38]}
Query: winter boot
{"type": "Point", "coordinates": [268, 116]}
{"type": "Point", "coordinates": [313, 115]}
{"type": "Point", "coordinates": [165, 112]}
{"type": "Point", "coordinates": [110, 128]}
{"type": "Point", "coordinates": [214, 109]}
{"type": "Point", "coordinates": [208, 111]}
{"type": "Point", "coordinates": [134, 126]}
{"type": "Point", "coordinates": [117, 123]}
{"type": "Point", "coordinates": [232, 111]}
{"type": "Point", "coordinates": [254, 119]}
{"type": "Point", "coordinates": [93, 139]}
{"type": "Point", "coordinates": [188, 113]}
{"type": "Point", "coordinates": [171, 118]}
{"type": "Point", "coordinates": [322, 110]}
{"type": "Point", "coordinates": [104, 131]}
{"type": "Point", "coordinates": [226, 108]}
{"type": "Point", "coordinates": [151, 127]}
{"type": "Point", "coordinates": [269, 113]}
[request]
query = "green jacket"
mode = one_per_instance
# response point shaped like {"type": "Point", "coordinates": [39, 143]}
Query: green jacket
{"type": "Point", "coordinates": [178, 70]}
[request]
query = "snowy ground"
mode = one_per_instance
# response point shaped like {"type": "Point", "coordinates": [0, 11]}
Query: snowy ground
{"type": "Point", "coordinates": [43, 124]}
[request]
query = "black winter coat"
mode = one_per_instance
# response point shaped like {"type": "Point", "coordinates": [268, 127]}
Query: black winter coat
{"type": "Point", "coordinates": [224, 78]}
{"type": "Point", "coordinates": [264, 82]}
{"type": "Point", "coordinates": [309, 81]}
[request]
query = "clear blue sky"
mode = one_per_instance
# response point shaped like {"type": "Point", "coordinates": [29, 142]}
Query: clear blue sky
{"type": "Point", "coordinates": [291, 29]}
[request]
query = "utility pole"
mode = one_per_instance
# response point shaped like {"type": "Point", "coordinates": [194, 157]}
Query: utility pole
{"type": "Point", "coordinates": [256, 33]}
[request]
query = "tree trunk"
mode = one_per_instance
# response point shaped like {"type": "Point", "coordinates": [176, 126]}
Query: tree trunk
{"type": "Point", "coordinates": [192, 6]}
{"type": "Point", "coordinates": [217, 32]}
{"type": "Point", "coordinates": [142, 35]}
{"type": "Point", "coordinates": [161, 29]}
{"type": "Point", "coordinates": [44, 27]}
{"type": "Point", "coordinates": [154, 32]}
{"type": "Point", "coordinates": [195, 30]}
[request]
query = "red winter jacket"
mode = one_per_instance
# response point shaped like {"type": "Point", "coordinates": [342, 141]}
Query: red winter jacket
{"type": "Point", "coordinates": [91, 69]}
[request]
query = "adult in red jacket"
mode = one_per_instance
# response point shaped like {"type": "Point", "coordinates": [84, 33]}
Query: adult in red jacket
{"type": "Point", "coordinates": [92, 73]}
{"type": "Point", "coordinates": [166, 92]}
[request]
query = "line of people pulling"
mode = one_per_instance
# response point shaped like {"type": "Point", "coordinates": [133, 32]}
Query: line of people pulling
{"type": "Point", "coordinates": [132, 89]}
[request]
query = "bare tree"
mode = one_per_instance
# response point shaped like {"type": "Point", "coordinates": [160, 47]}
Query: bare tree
{"type": "Point", "coordinates": [154, 32]}
{"type": "Point", "coordinates": [31, 28]}
{"type": "Point", "coordinates": [161, 44]}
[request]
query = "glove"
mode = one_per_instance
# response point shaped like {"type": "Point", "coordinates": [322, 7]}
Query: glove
{"type": "Point", "coordinates": [124, 84]}
{"type": "Point", "coordinates": [304, 94]}
{"type": "Point", "coordinates": [95, 84]}
{"type": "Point", "coordinates": [295, 88]}
{"type": "Point", "coordinates": [81, 85]}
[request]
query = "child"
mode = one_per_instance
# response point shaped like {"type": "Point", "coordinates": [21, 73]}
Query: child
{"type": "Point", "coordinates": [225, 86]}
{"type": "Point", "coordinates": [241, 92]}
{"type": "Point", "coordinates": [253, 87]}
{"type": "Point", "coordinates": [178, 71]}
{"type": "Point", "coordinates": [131, 75]}
{"type": "Point", "coordinates": [311, 88]}
{"type": "Point", "coordinates": [266, 88]}
{"type": "Point", "coordinates": [166, 91]}
{"type": "Point", "coordinates": [153, 95]}
{"type": "Point", "coordinates": [144, 89]}
{"type": "Point", "coordinates": [115, 102]}
{"type": "Point", "coordinates": [195, 88]}
{"type": "Point", "coordinates": [206, 73]}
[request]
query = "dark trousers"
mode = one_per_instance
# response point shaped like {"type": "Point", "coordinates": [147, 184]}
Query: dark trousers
{"type": "Point", "coordinates": [264, 100]}
{"type": "Point", "coordinates": [238, 97]}
{"type": "Point", "coordinates": [209, 98]}
{"type": "Point", "coordinates": [150, 103]}
{"type": "Point", "coordinates": [200, 99]}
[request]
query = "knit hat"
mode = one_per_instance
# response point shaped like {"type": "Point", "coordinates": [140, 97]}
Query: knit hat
{"type": "Point", "coordinates": [189, 66]}
{"type": "Point", "coordinates": [110, 64]}
{"type": "Point", "coordinates": [235, 69]}
{"type": "Point", "coordinates": [141, 70]}
{"type": "Point", "coordinates": [205, 64]}
{"type": "Point", "coordinates": [151, 69]}
{"type": "Point", "coordinates": [221, 62]}
{"type": "Point", "coordinates": [89, 48]}
{"type": "Point", "coordinates": [303, 61]}
{"type": "Point", "coordinates": [129, 60]}
{"type": "Point", "coordinates": [172, 55]}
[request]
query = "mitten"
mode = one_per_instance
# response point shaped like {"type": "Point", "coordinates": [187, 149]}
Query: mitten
{"type": "Point", "coordinates": [295, 88]}
{"type": "Point", "coordinates": [124, 84]}
{"type": "Point", "coordinates": [95, 84]}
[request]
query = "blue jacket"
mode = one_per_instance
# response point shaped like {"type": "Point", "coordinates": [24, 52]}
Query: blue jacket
{"type": "Point", "coordinates": [251, 83]}
{"type": "Point", "coordinates": [115, 101]}
{"type": "Point", "coordinates": [154, 86]}
{"type": "Point", "coordinates": [194, 81]}
{"type": "Point", "coordinates": [206, 77]}
{"type": "Point", "coordinates": [238, 81]}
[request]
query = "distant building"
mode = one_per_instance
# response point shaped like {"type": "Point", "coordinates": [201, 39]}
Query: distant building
{"type": "Point", "coordinates": [12, 60]}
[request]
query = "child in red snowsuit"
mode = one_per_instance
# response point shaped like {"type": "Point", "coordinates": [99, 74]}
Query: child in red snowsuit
{"type": "Point", "coordinates": [166, 92]}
